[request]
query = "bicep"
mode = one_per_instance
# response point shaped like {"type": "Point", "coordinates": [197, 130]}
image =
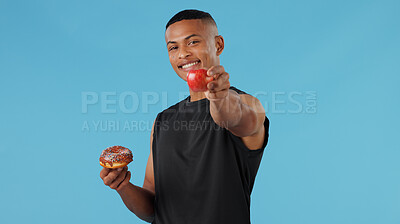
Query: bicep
{"type": "Point", "coordinates": [256, 138]}
{"type": "Point", "coordinates": [255, 105]}
{"type": "Point", "coordinates": [149, 175]}
{"type": "Point", "coordinates": [252, 119]}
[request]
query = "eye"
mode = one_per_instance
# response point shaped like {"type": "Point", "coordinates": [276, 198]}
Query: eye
{"type": "Point", "coordinates": [193, 42]}
{"type": "Point", "coordinates": [172, 48]}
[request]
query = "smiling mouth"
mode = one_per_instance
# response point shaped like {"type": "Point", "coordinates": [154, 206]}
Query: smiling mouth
{"type": "Point", "coordinates": [189, 65]}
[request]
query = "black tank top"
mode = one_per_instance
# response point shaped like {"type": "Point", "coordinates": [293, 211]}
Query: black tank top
{"type": "Point", "coordinates": [203, 173]}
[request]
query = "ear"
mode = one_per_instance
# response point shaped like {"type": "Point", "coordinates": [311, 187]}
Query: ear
{"type": "Point", "coordinates": [219, 44]}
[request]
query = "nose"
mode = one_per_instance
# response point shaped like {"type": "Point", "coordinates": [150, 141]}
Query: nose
{"type": "Point", "coordinates": [183, 52]}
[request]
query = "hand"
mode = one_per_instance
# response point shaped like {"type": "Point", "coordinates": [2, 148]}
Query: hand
{"type": "Point", "coordinates": [115, 178]}
{"type": "Point", "coordinates": [218, 88]}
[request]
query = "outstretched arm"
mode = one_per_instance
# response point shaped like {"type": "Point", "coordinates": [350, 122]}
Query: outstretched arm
{"type": "Point", "coordinates": [243, 115]}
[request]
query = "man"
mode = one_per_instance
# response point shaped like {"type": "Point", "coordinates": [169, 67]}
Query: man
{"type": "Point", "coordinates": [206, 149]}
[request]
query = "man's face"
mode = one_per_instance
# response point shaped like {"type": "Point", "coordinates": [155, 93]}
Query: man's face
{"type": "Point", "coordinates": [193, 44]}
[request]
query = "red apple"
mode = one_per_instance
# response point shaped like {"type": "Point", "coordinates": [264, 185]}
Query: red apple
{"type": "Point", "coordinates": [198, 80]}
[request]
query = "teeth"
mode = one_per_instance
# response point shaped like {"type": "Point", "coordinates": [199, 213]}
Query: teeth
{"type": "Point", "coordinates": [189, 65]}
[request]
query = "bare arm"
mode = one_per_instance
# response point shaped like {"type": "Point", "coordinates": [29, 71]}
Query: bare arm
{"type": "Point", "coordinates": [139, 200]}
{"type": "Point", "coordinates": [243, 115]}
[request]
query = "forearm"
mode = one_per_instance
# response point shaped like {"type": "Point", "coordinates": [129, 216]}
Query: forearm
{"type": "Point", "coordinates": [234, 115]}
{"type": "Point", "coordinates": [226, 112]}
{"type": "Point", "coordinates": [138, 200]}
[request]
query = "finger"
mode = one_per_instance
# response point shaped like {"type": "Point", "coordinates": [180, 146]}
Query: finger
{"type": "Point", "coordinates": [126, 180]}
{"type": "Point", "coordinates": [219, 84]}
{"type": "Point", "coordinates": [215, 83]}
{"type": "Point", "coordinates": [223, 81]}
{"type": "Point", "coordinates": [104, 172]}
{"type": "Point", "coordinates": [215, 70]}
{"type": "Point", "coordinates": [111, 176]}
{"type": "Point", "coordinates": [118, 180]}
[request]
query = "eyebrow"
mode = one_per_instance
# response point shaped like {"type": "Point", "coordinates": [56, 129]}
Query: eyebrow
{"type": "Point", "coordinates": [188, 37]}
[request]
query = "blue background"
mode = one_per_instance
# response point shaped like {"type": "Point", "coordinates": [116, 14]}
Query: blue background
{"type": "Point", "coordinates": [338, 164]}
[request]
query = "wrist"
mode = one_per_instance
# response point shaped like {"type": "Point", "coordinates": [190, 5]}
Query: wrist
{"type": "Point", "coordinates": [123, 187]}
{"type": "Point", "coordinates": [219, 98]}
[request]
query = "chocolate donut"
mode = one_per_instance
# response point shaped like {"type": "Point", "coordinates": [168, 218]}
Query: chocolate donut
{"type": "Point", "coordinates": [116, 157]}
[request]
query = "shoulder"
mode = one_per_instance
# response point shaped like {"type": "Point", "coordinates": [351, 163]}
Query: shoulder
{"type": "Point", "coordinates": [174, 108]}
{"type": "Point", "coordinates": [170, 111]}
